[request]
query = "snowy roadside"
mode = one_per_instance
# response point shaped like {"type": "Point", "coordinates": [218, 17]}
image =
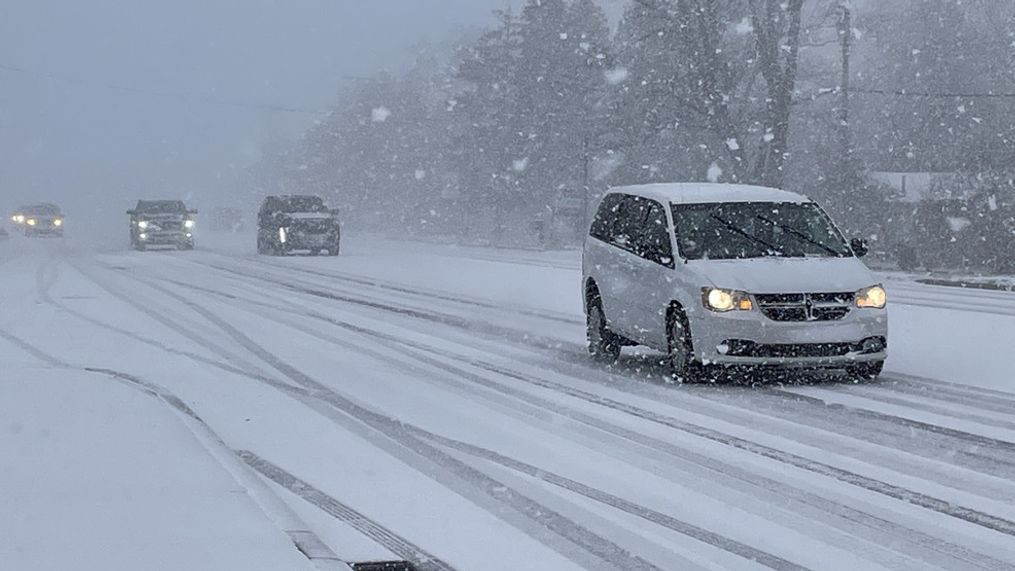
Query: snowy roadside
{"type": "Point", "coordinates": [98, 475]}
{"type": "Point", "coordinates": [937, 332]}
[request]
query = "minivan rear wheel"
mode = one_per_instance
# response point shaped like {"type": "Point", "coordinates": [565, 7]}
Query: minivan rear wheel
{"type": "Point", "coordinates": [681, 361]}
{"type": "Point", "coordinates": [603, 344]}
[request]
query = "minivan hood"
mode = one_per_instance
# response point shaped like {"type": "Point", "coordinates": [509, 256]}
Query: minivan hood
{"type": "Point", "coordinates": [785, 275]}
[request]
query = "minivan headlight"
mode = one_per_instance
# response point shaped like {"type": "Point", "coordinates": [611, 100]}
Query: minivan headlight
{"type": "Point", "coordinates": [873, 297]}
{"type": "Point", "coordinates": [723, 300]}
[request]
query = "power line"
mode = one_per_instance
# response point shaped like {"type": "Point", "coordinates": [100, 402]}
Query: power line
{"type": "Point", "coordinates": [202, 99]}
{"type": "Point", "coordinates": [927, 94]}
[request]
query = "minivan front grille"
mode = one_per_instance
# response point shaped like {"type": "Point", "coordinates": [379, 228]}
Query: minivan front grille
{"type": "Point", "coordinates": [805, 306]}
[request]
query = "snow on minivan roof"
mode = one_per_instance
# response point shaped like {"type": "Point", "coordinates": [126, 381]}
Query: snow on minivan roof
{"type": "Point", "coordinates": [702, 192]}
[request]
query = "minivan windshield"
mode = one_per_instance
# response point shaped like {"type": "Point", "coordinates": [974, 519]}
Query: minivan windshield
{"type": "Point", "coordinates": [738, 230]}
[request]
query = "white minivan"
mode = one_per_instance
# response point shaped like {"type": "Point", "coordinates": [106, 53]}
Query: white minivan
{"type": "Point", "coordinates": [727, 275]}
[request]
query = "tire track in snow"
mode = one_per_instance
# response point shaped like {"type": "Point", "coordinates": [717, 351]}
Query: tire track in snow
{"type": "Point", "coordinates": [598, 546]}
{"type": "Point", "coordinates": [658, 518]}
{"type": "Point", "coordinates": [426, 294]}
{"type": "Point", "coordinates": [239, 363]}
{"type": "Point", "coordinates": [862, 524]}
{"type": "Point", "coordinates": [420, 558]}
{"type": "Point", "coordinates": [948, 393]}
{"type": "Point", "coordinates": [879, 396]}
{"type": "Point", "coordinates": [969, 457]}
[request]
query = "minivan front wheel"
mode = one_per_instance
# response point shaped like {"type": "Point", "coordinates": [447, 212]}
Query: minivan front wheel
{"type": "Point", "coordinates": [681, 356]}
{"type": "Point", "coordinates": [603, 344]}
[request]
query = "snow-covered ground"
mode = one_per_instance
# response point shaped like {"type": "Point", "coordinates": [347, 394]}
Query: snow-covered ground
{"type": "Point", "coordinates": [434, 403]}
{"type": "Point", "coordinates": [95, 474]}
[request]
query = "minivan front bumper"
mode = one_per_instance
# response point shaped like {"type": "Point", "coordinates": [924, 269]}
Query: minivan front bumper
{"type": "Point", "coordinates": [755, 340]}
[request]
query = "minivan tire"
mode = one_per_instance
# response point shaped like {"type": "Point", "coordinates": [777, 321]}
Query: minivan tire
{"type": "Point", "coordinates": [680, 360]}
{"type": "Point", "coordinates": [604, 347]}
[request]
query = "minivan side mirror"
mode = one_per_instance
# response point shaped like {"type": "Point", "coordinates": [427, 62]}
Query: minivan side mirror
{"type": "Point", "coordinates": [131, 212]}
{"type": "Point", "coordinates": [192, 212]}
{"type": "Point", "coordinates": [859, 247]}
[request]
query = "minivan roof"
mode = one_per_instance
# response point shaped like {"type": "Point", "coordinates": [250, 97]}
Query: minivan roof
{"type": "Point", "coordinates": [703, 192]}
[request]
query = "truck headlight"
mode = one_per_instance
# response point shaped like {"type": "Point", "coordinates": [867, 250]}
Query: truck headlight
{"type": "Point", "coordinates": [873, 297]}
{"type": "Point", "coordinates": [142, 224]}
{"type": "Point", "coordinates": [58, 222]}
{"type": "Point", "coordinates": [282, 235]}
{"type": "Point", "coordinates": [30, 222]}
{"type": "Point", "coordinates": [723, 300]}
{"type": "Point", "coordinates": [188, 224]}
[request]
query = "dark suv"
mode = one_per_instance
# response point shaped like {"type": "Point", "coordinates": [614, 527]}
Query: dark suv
{"type": "Point", "coordinates": [297, 223]}
{"type": "Point", "coordinates": [166, 223]}
{"type": "Point", "coordinates": [40, 220]}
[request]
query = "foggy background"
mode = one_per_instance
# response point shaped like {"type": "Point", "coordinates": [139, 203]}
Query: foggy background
{"type": "Point", "coordinates": [106, 101]}
{"type": "Point", "coordinates": [454, 120]}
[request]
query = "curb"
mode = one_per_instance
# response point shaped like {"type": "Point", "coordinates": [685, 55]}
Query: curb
{"type": "Point", "coordinates": [306, 541]}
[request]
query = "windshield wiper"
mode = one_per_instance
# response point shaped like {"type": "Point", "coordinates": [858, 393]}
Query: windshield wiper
{"type": "Point", "coordinates": [748, 235]}
{"type": "Point", "coordinates": [802, 236]}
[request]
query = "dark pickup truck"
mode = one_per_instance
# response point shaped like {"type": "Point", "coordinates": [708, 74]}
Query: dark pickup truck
{"type": "Point", "coordinates": [161, 223]}
{"type": "Point", "coordinates": [297, 223]}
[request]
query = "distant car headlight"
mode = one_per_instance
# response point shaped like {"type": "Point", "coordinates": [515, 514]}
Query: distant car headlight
{"type": "Point", "coordinates": [873, 297]}
{"type": "Point", "coordinates": [31, 222]}
{"type": "Point", "coordinates": [723, 300]}
{"type": "Point", "coordinates": [58, 222]}
{"type": "Point", "coordinates": [143, 224]}
{"type": "Point", "coordinates": [282, 235]}
{"type": "Point", "coordinates": [188, 224]}
{"type": "Point", "coordinates": [143, 236]}
{"type": "Point", "coordinates": [18, 218]}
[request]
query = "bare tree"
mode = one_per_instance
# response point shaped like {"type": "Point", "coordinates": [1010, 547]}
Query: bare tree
{"type": "Point", "coordinates": [719, 72]}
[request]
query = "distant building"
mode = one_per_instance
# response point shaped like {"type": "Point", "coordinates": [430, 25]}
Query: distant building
{"type": "Point", "coordinates": [920, 186]}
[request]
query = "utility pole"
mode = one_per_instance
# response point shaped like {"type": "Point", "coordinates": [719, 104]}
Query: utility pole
{"type": "Point", "coordinates": [845, 29]}
{"type": "Point", "coordinates": [586, 186]}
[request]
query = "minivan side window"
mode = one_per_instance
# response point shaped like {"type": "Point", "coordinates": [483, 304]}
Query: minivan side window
{"type": "Point", "coordinates": [603, 226]}
{"type": "Point", "coordinates": [628, 227]}
{"type": "Point", "coordinates": [653, 241]}
{"type": "Point", "coordinates": [635, 224]}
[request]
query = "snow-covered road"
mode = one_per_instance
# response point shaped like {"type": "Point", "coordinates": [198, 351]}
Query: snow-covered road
{"type": "Point", "coordinates": [435, 404]}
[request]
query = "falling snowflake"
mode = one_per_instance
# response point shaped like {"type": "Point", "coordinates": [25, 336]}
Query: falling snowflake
{"type": "Point", "coordinates": [714, 173]}
{"type": "Point", "coordinates": [420, 174]}
{"type": "Point", "coordinates": [616, 76]}
{"type": "Point", "coordinates": [733, 144]}
{"type": "Point", "coordinates": [768, 137]}
{"type": "Point", "coordinates": [744, 27]}
{"type": "Point", "coordinates": [380, 114]}
{"type": "Point", "coordinates": [520, 165]}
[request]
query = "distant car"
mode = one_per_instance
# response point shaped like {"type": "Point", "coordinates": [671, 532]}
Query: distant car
{"type": "Point", "coordinates": [297, 223]}
{"type": "Point", "coordinates": [40, 220]}
{"type": "Point", "coordinates": [730, 275]}
{"type": "Point", "coordinates": [161, 223]}
{"type": "Point", "coordinates": [3, 233]}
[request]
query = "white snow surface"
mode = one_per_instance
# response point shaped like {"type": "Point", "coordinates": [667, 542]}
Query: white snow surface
{"type": "Point", "coordinates": [98, 475]}
{"type": "Point", "coordinates": [443, 394]}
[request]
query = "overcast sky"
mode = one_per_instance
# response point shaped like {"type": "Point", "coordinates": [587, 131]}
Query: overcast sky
{"type": "Point", "coordinates": [69, 133]}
